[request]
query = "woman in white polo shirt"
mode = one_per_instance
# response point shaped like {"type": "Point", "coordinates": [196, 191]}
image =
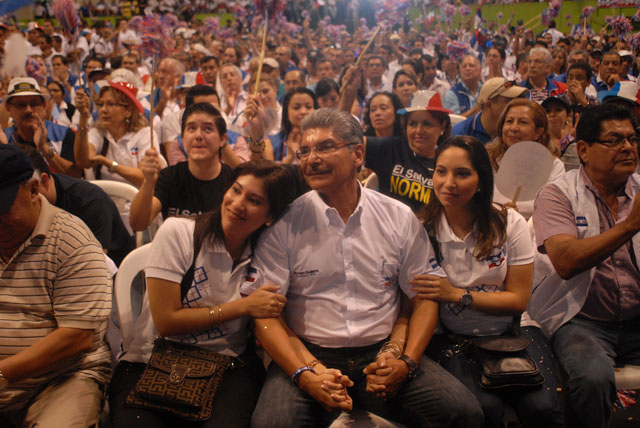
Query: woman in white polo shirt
{"type": "Point", "coordinates": [116, 144]}
{"type": "Point", "coordinates": [212, 315]}
{"type": "Point", "coordinates": [487, 254]}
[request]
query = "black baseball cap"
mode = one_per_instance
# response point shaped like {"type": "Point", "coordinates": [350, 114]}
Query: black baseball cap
{"type": "Point", "coordinates": [15, 168]}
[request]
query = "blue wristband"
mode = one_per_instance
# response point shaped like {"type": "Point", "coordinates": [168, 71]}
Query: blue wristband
{"type": "Point", "coordinates": [298, 372]}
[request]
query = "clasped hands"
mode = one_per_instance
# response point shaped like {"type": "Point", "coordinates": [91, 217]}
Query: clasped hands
{"type": "Point", "coordinates": [328, 387]}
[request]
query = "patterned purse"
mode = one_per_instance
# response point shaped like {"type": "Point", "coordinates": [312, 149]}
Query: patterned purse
{"type": "Point", "coordinates": [181, 380]}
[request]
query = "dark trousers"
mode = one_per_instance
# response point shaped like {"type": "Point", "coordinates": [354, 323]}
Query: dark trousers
{"type": "Point", "coordinates": [588, 351]}
{"type": "Point", "coordinates": [434, 398]}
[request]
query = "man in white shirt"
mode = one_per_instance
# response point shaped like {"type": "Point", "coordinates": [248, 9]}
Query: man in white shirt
{"type": "Point", "coordinates": [343, 255]}
{"type": "Point", "coordinates": [375, 69]}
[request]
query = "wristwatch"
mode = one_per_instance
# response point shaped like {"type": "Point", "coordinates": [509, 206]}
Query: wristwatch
{"type": "Point", "coordinates": [256, 146]}
{"type": "Point", "coordinates": [49, 154]}
{"type": "Point", "coordinates": [113, 166]}
{"type": "Point", "coordinates": [412, 365]}
{"type": "Point", "coordinates": [4, 383]}
{"type": "Point", "coordinates": [466, 299]}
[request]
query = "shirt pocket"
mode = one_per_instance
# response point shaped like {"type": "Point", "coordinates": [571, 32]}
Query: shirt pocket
{"type": "Point", "coordinates": [387, 280]}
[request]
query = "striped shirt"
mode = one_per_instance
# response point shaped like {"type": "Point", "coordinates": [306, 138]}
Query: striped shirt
{"type": "Point", "coordinates": [57, 278]}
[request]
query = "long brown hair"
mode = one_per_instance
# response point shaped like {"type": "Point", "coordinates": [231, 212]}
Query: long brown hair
{"type": "Point", "coordinates": [281, 187]}
{"type": "Point", "coordinates": [497, 147]}
{"type": "Point", "coordinates": [490, 223]}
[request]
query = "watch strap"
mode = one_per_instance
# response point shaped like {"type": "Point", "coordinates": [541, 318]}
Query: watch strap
{"type": "Point", "coordinates": [412, 365]}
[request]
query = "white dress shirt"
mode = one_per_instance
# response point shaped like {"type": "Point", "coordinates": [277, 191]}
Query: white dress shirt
{"type": "Point", "coordinates": [343, 281]}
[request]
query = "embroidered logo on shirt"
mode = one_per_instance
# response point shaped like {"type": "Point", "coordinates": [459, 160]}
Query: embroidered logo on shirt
{"type": "Point", "coordinates": [252, 273]}
{"type": "Point", "coordinates": [434, 263]}
{"type": "Point", "coordinates": [134, 151]}
{"type": "Point", "coordinates": [581, 221]}
{"type": "Point", "coordinates": [495, 260]}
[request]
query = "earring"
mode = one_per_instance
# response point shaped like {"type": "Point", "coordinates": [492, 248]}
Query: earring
{"type": "Point", "coordinates": [126, 120]}
{"type": "Point", "coordinates": [478, 189]}
{"type": "Point", "coordinates": [267, 223]}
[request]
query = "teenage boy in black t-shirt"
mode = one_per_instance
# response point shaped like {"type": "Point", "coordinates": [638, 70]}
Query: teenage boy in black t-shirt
{"type": "Point", "coordinates": [191, 187]}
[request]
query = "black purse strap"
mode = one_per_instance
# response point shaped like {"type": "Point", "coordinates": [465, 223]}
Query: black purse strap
{"type": "Point", "coordinates": [97, 170]}
{"type": "Point", "coordinates": [187, 279]}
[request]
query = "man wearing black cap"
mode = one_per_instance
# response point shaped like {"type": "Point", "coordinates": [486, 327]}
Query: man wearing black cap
{"type": "Point", "coordinates": [26, 105]}
{"type": "Point", "coordinates": [55, 297]}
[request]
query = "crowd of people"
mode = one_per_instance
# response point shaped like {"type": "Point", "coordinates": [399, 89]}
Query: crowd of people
{"type": "Point", "coordinates": [334, 206]}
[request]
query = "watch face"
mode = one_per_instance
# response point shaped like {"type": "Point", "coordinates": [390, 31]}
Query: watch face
{"type": "Point", "coordinates": [467, 299]}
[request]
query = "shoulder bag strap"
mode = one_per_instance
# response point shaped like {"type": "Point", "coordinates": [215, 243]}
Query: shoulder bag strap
{"type": "Point", "coordinates": [187, 279]}
{"type": "Point", "coordinates": [97, 170]}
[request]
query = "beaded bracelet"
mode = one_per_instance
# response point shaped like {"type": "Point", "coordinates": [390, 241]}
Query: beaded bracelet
{"type": "Point", "coordinates": [298, 372]}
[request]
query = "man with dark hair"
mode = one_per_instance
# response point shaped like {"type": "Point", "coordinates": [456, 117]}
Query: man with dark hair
{"type": "Point", "coordinates": [578, 80]}
{"type": "Point", "coordinates": [55, 295]}
{"type": "Point", "coordinates": [62, 75]}
{"type": "Point", "coordinates": [343, 255]}
{"type": "Point", "coordinates": [430, 79]}
{"type": "Point", "coordinates": [209, 68]}
{"type": "Point", "coordinates": [46, 46]}
{"type": "Point", "coordinates": [89, 203]}
{"type": "Point", "coordinates": [586, 293]}
{"type": "Point", "coordinates": [192, 187]}
{"type": "Point", "coordinates": [293, 79]}
{"type": "Point", "coordinates": [375, 68]}
{"type": "Point", "coordinates": [609, 73]}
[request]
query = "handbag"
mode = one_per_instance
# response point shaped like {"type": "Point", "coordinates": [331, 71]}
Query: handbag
{"type": "Point", "coordinates": [506, 363]}
{"type": "Point", "coordinates": [181, 379]}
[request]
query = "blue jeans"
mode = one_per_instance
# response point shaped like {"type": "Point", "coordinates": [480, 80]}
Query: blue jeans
{"type": "Point", "coordinates": [588, 351]}
{"type": "Point", "coordinates": [536, 407]}
{"type": "Point", "coordinates": [433, 398]}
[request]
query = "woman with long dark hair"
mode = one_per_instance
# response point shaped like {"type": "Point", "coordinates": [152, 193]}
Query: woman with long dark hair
{"type": "Point", "coordinates": [212, 315]}
{"type": "Point", "coordinates": [381, 118]}
{"type": "Point", "coordinates": [487, 254]}
{"type": "Point", "coordinates": [297, 104]}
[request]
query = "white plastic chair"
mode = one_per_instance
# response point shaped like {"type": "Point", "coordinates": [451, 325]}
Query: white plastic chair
{"type": "Point", "coordinates": [371, 182]}
{"type": "Point", "coordinates": [122, 195]}
{"type": "Point", "coordinates": [129, 269]}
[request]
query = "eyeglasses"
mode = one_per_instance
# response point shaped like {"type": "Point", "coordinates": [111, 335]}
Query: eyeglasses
{"type": "Point", "coordinates": [322, 149]}
{"type": "Point", "coordinates": [619, 141]}
{"type": "Point", "coordinates": [109, 105]}
{"type": "Point", "coordinates": [22, 106]}
{"type": "Point", "coordinates": [502, 88]}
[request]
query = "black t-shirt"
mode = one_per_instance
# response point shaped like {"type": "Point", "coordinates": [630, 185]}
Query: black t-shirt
{"type": "Point", "coordinates": [93, 206]}
{"type": "Point", "coordinates": [402, 175]}
{"type": "Point", "coordinates": [182, 194]}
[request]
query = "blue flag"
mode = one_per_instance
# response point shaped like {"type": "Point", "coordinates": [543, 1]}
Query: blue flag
{"type": "Point", "coordinates": [7, 6]}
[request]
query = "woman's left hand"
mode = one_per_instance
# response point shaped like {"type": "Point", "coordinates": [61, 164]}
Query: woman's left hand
{"type": "Point", "coordinates": [432, 287]}
{"type": "Point", "coordinates": [100, 160]}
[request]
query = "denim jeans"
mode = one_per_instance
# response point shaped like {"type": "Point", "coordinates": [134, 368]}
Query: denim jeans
{"type": "Point", "coordinates": [536, 407]}
{"type": "Point", "coordinates": [433, 398]}
{"type": "Point", "coordinates": [588, 351]}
